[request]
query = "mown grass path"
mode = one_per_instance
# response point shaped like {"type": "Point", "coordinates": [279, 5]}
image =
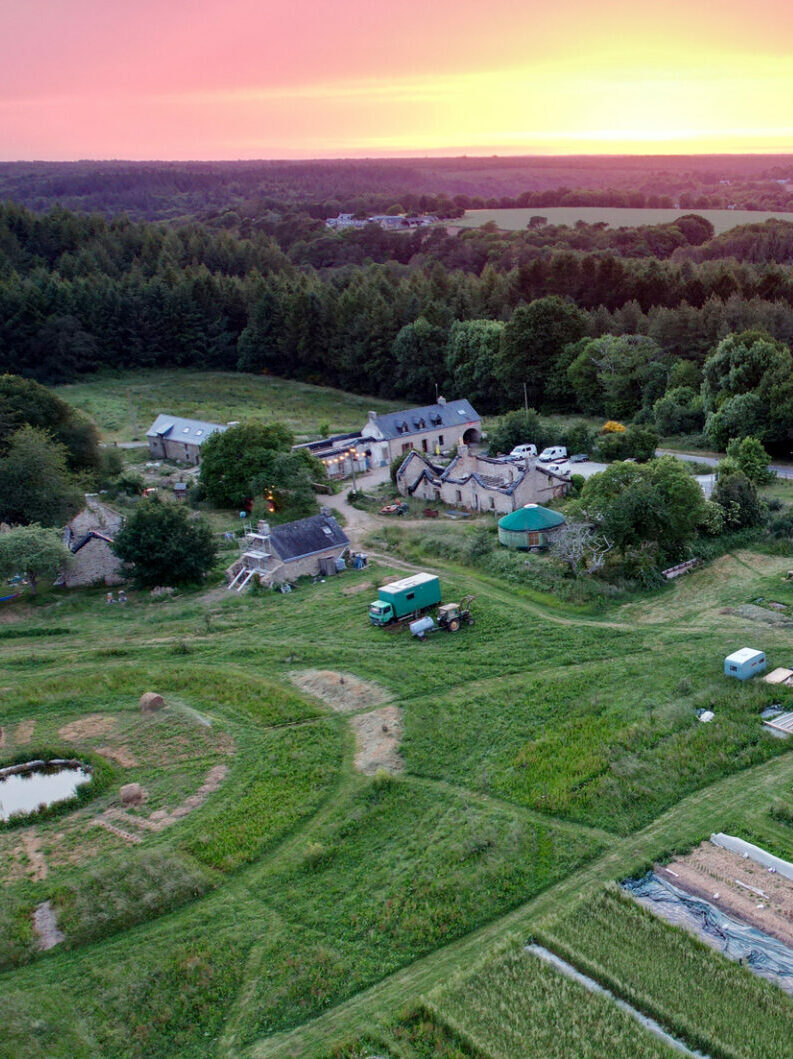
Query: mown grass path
{"type": "Point", "coordinates": [689, 821]}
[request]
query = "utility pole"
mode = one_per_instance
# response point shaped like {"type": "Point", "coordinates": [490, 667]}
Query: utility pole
{"type": "Point", "coordinates": [525, 401]}
{"type": "Point", "coordinates": [352, 464]}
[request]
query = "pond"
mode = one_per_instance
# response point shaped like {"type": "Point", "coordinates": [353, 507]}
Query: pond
{"type": "Point", "coordinates": [36, 784]}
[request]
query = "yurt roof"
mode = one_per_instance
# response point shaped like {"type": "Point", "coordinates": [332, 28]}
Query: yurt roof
{"type": "Point", "coordinates": [530, 519]}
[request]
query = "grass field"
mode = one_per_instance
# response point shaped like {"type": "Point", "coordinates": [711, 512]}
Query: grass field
{"type": "Point", "coordinates": [125, 406]}
{"type": "Point", "coordinates": [298, 907]}
{"type": "Point", "coordinates": [517, 219]}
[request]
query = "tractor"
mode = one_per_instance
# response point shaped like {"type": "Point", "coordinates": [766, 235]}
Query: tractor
{"type": "Point", "coordinates": [452, 615]}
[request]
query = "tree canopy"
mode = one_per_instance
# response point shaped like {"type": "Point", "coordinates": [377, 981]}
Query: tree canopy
{"type": "Point", "coordinates": [35, 482]}
{"type": "Point", "coordinates": [33, 551]}
{"type": "Point", "coordinates": [24, 402]}
{"type": "Point", "coordinates": [165, 545]}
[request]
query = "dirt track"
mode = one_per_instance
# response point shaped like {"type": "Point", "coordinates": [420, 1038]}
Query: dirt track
{"type": "Point", "coordinates": [730, 881]}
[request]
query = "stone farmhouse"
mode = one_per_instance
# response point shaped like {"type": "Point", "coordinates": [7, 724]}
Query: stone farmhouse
{"type": "Point", "coordinates": [89, 537]}
{"type": "Point", "coordinates": [277, 554]}
{"type": "Point", "coordinates": [431, 429]}
{"type": "Point", "coordinates": [172, 438]}
{"type": "Point", "coordinates": [480, 483]}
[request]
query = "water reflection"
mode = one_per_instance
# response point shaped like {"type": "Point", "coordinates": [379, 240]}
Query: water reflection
{"type": "Point", "coordinates": [41, 784]}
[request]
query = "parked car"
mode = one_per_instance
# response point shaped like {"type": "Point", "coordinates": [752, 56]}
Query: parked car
{"type": "Point", "coordinates": [578, 457]}
{"type": "Point", "coordinates": [523, 452]}
{"type": "Point", "coordinates": [553, 454]}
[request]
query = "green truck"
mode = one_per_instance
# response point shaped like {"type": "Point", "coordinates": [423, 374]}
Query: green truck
{"type": "Point", "coordinates": [405, 598]}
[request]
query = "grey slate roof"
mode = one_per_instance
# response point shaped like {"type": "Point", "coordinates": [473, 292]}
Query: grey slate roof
{"type": "Point", "coordinates": [433, 416]}
{"type": "Point", "coordinates": [307, 536]}
{"type": "Point", "coordinates": [188, 431]}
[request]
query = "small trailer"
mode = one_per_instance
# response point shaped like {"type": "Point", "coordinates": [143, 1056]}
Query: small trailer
{"type": "Point", "coordinates": [405, 599]}
{"type": "Point", "coordinates": [451, 616]}
{"type": "Point", "coordinates": [744, 664]}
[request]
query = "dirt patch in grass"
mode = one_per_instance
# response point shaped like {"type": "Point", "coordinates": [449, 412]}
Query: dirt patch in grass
{"type": "Point", "coordinates": [24, 732]}
{"type": "Point", "coordinates": [377, 736]}
{"type": "Point", "coordinates": [710, 870]}
{"type": "Point", "coordinates": [92, 725]}
{"type": "Point", "coordinates": [32, 847]}
{"type": "Point", "coordinates": [353, 590]}
{"type": "Point", "coordinates": [120, 754]}
{"type": "Point", "coordinates": [2, 737]}
{"type": "Point", "coordinates": [755, 613]}
{"type": "Point", "coordinates": [343, 692]}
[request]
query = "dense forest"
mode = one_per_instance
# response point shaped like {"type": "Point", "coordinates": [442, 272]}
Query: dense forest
{"type": "Point", "coordinates": [208, 190]}
{"type": "Point", "coordinates": [397, 314]}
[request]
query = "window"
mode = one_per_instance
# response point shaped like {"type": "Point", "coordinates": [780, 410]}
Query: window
{"type": "Point", "coordinates": [405, 448]}
{"type": "Point", "coordinates": [410, 595]}
{"type": "Point", "coordinates": [186, 430]}
{"type": "Point", "coordinates": [458, 497]}
{"type": "Point", "coordinates": [733, 669]}
{"type": "Point", "coordinates": [423, 444]}
{"type": "Point", "coordinates": [440, 439]}
{"type": "Point", "coordinates": [492, 503]}
{"type": "Point", "coordinates": [534, 540]}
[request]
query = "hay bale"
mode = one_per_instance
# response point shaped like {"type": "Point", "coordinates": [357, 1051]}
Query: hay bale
{"type": "Point", "coordinates": [151, 701]}
{"type": "Point", "coordinates": [132, 794]}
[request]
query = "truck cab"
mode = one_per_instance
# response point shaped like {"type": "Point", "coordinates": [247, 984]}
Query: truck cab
{"type": "Point", "coordinates": [381, 613]}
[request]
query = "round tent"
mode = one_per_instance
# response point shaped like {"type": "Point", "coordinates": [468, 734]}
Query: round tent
{"type": "Point", "coordinates": [528, 527]}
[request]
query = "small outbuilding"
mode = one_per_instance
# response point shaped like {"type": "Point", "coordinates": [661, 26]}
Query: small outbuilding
{"type": "Point", "coordinates": [745, 663]}
{"type": "Point", "coordinates": [529, 527]}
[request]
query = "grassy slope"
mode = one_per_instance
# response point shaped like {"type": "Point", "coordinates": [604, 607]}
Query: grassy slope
{"type": "Point", "coordinates": [125, 406]}
{"type": "Point", "coordinates": [319, 883]}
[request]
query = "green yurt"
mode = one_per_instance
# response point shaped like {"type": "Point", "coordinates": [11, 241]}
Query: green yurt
{"type": "Point", "coordinates": [528, 527]}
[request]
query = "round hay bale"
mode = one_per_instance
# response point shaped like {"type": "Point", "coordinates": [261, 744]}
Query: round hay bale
{"type": "Point", "coordinates": [151, 701]}
{"type": "Point", "coordinates": [131, 794]}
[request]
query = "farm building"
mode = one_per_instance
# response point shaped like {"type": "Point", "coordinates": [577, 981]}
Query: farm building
{"type": "Point", "coordinates": [479, 483]}
{"type": "Point", "coordinates": [530, 526]}
{"type": "Point", "coordinates": [308, 546]}
{"type": "Point", "coordinates": [341, 454]}
{"type": "Point", "coordinates": [172, 438]}
{"type": "Point", "coordinates": [745, 663]}
{"type": "Point", "coordinates": [431, 429]}
{"type": "Point", "coordinates": [89, 537]}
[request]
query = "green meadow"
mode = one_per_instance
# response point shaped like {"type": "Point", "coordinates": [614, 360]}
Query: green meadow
{"type": "Point", "coordinates": [294, 905]}
{"type": "Point", "coordinates": [622, 217]}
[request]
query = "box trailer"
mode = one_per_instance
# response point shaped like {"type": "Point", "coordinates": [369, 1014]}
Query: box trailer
{"type": "Point", "coordinates": [405, 598]}
{"type": "Point", "coordinates": [744, 664]}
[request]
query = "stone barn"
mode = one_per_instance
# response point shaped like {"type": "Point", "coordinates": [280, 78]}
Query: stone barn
{"type": "Point", "coordinates": [172, 438]}
{"type": "Point", "coordinates": [431, 429]}
{"type": "Point", "coordinates": [89, 537]}
{"type": "Point", "coordinates": [480, 483]}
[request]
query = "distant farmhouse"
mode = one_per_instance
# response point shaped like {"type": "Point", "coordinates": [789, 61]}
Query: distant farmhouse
{"type": "Point", "coordinates": [312, 546]}
{"type": "Point", "coordinates": [387, 221]}
{"type": "Point", "coordinates": [434, 428]}
{"type": "Point", "coordinates": [480, 483]}
{"type": "Point", "coordinates": [172, 438]}
{"type": "Point", "coordinates": [89, 537]}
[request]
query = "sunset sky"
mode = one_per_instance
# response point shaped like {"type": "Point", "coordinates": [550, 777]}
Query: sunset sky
{"type": "Point", "coordinates": [310, 78]}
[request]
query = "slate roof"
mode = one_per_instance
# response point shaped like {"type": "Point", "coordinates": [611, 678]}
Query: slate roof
{"type": "Point", "coordinates": [429, 417]}
{"type": "Point", "coordinates": [492, 482]}
{"type": "Point", "coordinates": [188, 431]}
{"type": "Point", "coordinates": [307, 536]}
{"type": "Point", "coordinates": [531, 519]}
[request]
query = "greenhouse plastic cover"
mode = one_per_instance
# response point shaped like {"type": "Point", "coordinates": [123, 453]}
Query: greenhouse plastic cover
{"type": "Point", "coordinates": [763, 954]}
{"type": "Point", "coordinates": [759, 856]}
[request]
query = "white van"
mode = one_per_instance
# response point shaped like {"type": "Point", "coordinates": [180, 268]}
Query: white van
{"type": "Point", "coordinates": [523, 452]}
{"type": "Point", "coordinates": [553, 454]}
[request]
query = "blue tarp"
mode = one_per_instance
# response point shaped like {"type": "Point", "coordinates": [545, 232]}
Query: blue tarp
{"type": "Point", "coordinates": [738, 941]}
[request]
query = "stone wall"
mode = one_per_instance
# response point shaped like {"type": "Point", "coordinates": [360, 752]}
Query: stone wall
{"type": "Point", "coordinates": [94, 564]}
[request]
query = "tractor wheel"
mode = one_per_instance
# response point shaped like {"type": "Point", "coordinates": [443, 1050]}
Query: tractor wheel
{"type": "Point", "coordinates": [454, 625]}
{"type": "Point", "coordinates": [470, 621]}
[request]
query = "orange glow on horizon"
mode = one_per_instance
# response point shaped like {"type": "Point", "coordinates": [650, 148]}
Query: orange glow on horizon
{"type": "Point", "coordinates": [245, 80]}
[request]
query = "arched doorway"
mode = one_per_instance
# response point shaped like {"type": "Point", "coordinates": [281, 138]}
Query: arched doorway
{"type": "Point", "coordinates": [472, 436]}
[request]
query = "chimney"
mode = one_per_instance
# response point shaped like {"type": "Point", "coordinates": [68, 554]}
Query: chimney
{"type": "Point", "coordinates": [441, 401]}
{"type": "Point", "coordinates": [371, 416]}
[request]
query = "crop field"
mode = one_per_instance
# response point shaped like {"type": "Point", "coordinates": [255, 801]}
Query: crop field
{"type": "Point", "coordinates": [711, 1002]}
{"type": "Point", "coordinates": [125, 406]}
{"type": "Point", "coordinates": [513, 220]}
{"type": "Point", "coordinates": [266, 898]}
